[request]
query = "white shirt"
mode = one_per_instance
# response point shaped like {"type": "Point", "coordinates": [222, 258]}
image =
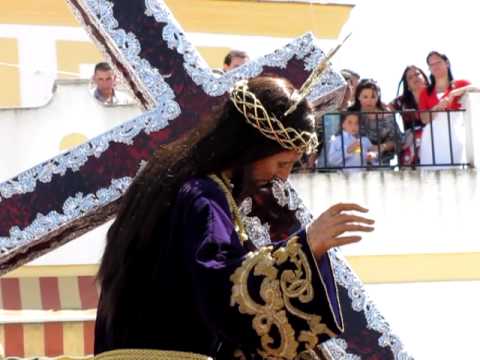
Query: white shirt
{"type": "Point", "coordinates": [335, 154]}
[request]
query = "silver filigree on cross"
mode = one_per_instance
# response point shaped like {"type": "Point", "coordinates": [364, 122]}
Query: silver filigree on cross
{"type": "Point", "coordinates": [74, 159]}
{"type": "Point", "coordinates": [73, 208]}
{"type": "Point", "coordinates": [302, 48]}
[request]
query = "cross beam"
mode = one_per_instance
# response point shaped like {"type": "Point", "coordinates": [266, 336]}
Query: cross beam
{"type": "Point", "coordinates": [74, 192]}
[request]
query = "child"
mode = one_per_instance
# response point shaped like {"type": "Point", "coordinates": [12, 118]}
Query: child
{"type": "Point", "coordinates": [357, 151]}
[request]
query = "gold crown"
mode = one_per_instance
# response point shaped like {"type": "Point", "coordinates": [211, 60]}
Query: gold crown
{"type": "Point", "coordinates": [256, 115]}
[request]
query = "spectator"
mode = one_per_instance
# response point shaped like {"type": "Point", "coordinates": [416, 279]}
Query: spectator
{"type": "Point", "coordinates": [234, 59]}
{"type": "Point", "coordinates": [442, 94]}
{"type": "Point", "coordinates": [352, 79]}
{"type": "Point", "coordinates": [331, 121]}
{"type": "Point", "coordinates": [348, 148]}
{"type": "Point", "coordinates": [104, 91]}
{"type": "Point", "coordinates": [413, 82]}
{"type": "Point", "coordinates": [380, 127]}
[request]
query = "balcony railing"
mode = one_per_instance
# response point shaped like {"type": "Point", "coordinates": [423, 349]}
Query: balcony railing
{"type": "Point", "coordinates": [393, 140]}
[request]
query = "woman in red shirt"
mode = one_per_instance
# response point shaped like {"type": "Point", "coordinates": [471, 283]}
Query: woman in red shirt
{"type": "Point", "coordinates": [444, 92]}
{"type": "Point", "coordinates": [443, 136]}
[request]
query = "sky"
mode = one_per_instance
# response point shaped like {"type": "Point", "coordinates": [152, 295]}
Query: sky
{"type": "Point", "coordinates": [389, 35]}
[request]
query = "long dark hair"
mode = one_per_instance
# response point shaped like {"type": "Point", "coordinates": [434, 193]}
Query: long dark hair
{"type": "Point", "coordinates": [367, 84]}
{"type": "Point", "coordinates": [432, 78]}
{"type": "Point", "coordinates": [138, 241]}
{"type": "Point", "coordinates": [408, 99]}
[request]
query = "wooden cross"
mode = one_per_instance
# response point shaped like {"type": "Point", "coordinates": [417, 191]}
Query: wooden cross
{"type": "Point", "coordinates": [64, 197]}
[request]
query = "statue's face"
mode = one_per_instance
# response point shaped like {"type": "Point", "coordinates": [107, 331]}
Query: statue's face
{"type": "Point", "coordinates": [275, 166]}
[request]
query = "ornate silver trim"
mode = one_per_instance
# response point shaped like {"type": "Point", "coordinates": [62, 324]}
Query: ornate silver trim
{"type": "Point", "coordinates": [73, 208]}
{"type": "Point", "coordinates": [303, 48]}
{"type": "Point", "coordinates": [337, 349]}
{"type": "Point", "coordinates": [26, 181]}
{"type": "Point", "coordinates": [361, 302]}
{"type": "Point", "coordinates": [258, 233]}
{"type": "Point", "coordinates": [286, 195]}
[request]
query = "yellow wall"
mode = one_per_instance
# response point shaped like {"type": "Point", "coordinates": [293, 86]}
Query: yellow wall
{"type": "Point", "coordinates": [10, 77]}
{"type": "Point", "coordinates": [375, 269]}
{"type": "Point", "coordinates": [244, 17]}
{"type": "Point", "coordinates": [36, 12]}
{"type": "Point", "coordinates": [260, 18]}
{"type": "Point", "coordinates": [70, 54]}
{"type": "Point", "coordinates": [213, 55]}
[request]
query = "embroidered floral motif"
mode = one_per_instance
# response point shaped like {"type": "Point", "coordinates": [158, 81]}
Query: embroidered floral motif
{"type": "Point", "coordinates": [277, 290]}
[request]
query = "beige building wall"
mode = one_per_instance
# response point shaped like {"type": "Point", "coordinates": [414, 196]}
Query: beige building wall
{"type": "Point", "coordinates": [71, 54]}
{"type": "Point", "coordinates": [9, 75]}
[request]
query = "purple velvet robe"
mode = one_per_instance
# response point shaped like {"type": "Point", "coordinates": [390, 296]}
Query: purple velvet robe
{"type": "Point", "coordinates": [216, 296]}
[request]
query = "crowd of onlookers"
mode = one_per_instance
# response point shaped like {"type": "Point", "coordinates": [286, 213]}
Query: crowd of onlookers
{"type": "Point", "coordinates": [421, 126]}
{"type": "Point", "coordinates": [428, 131]}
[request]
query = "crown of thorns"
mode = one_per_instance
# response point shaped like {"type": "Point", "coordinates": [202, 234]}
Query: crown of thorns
{"type": "Point", "coordinates": [256, 115]}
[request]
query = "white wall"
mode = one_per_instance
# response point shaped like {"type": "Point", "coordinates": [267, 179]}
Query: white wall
{"type": "Point", "coordinates": [422, 211]}
{"type": "Point", "coordinates": [434, 320]}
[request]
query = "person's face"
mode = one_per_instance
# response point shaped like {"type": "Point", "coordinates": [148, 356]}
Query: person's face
{"type": "Point", "coordinates": [275, 166]}
{"type": "Point", "coordinates": [236, 62]}
{"type": "Point", "coordinates": [350, 124]}
{"type": "Point", "coordinates": [415, 80]}
{"type": "Point", "coordinates": [368, 99]}
{"type": "Point", "coordinates": [438, 66]}
{"type": "Point", "coordinates": [104, 80]}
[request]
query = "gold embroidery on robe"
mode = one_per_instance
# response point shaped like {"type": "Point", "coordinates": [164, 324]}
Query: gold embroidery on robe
{"type": "Point", "coordinates": [149, 354]}
{"type": "Point", "coordinates": [277, 290]}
